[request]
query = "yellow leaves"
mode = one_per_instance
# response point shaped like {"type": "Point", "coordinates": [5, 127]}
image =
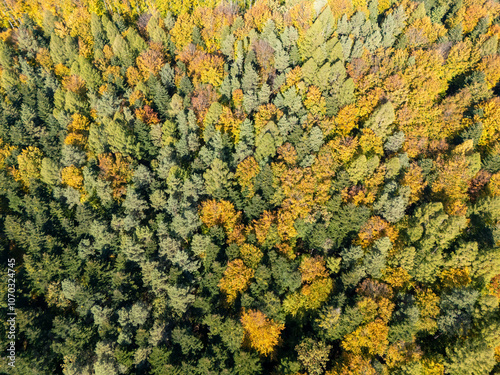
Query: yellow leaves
{"type": "Point", "coordinates": [431, 367]}
{"type": "Point", "coordinates": [265, 113]}
{"type": "Point", "coordinates": [490, 66]}
{"type": "Point", "coordinates": [347, 118]}
{"type": "Point", "coordinates": [262, 225]}
{"type": "Point", "coordinates": [212, 70]}
{"type": "Point", "coordinates": [494, 185]}
{"type": "Point", "coordinates": [414, 179]}
{"type": "Point", "coordinates": [428, 303]}
{"type": "Point", "coordinates": [219, 213]}
{"type": "Point", "coordinates": [343, 149]}
{"type": "Point", "coordinates": [316, 288]}
{"type": "Point", "coordinates": [371, 338]}
{"type": "Point", "coordinates": [423, 31]}
{"type": "Point", "coordinates": [315, 104]}
{"type": "Point", "coordinates": [30, 164]}
{"type": "Point", "coordinates": [262, 333]}
{"type": "Point", "coordinates": [229, 123]}
{"type": "Point", "coordinates": [5, 152]}
{"type": "Point", "coordinates": [43, 58]}
{"type": "Point", "coordinates": [246, 171]}
{"type": "Point", "coordinates": [182, 31]}
{"type": "Point", "coordinates": [369, 142]}
{"type": "Point", "coordinates": [455, 277]}
{"type": "Point", "coordinates": [111, 73]}
{"type": "Point", "coordinates": [458, 60]}
{"type": "Point", "coordinates": [452, 181]}
{"type": "Point", "coordinates": [78, 131]}
{"type": "Point", "coordinates": [312, 268]}
{"type": "Point", "coordinates": [293, 77]}
{"type": "Point", "coordinates": [236, 279]}
{"type": "Point", "coordinates": [203, 67]}
{"type": "Point", "coordinates": [79, 123]}
{"type": "Point", "coordinates": [491, 121]}
{"type": "Point", "coordinates": [72, 176]}
{"type": "Point", "coordinates": [397, 277]}
{"type": "Point", "coordinates": [251, 255]}
{"type": "Point", "coordinates": [133, 76]}
{"type": "Point", "coordinates": [60, 70]}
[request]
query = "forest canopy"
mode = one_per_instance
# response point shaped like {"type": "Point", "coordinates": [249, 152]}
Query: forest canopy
{"type": "Point", "coordinates": [270, 187]}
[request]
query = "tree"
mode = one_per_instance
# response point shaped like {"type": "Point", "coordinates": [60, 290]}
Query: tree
{"type": "Point", "coordinates": [261, 333]}
{"type": "Point", "coordinates": [236, 279]}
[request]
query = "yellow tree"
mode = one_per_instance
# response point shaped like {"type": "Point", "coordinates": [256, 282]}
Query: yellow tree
{"type": "Point", "coordinates": [219, 213]}
{"type": "Point", "coordinates": [72, 176]}
{"type": "Point", "coordinates": [490, 120]}
{"type": "Point", "coordinates": [251, 255]}
{"type": "Point", "coordinates": [246, 171]}
{"type": "Point", "coordinates": [261, 333]}
{"type": "Point", "coordinates": [236, 279]}
{"type": "Point", "coordinates": [30, 164]}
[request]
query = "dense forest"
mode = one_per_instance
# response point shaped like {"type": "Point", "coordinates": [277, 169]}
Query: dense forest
{"type": "Point", "coordinates": [271, 187]}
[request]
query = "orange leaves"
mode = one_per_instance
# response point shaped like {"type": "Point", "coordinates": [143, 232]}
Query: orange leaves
{"type": "Point", "coordinates": [375, 228]}
{"type": "Point", "coordinates": [257, 16]}
{"type": "Point", "coordinates": [115, 168]}
{"type": "Point", "coordinates": [74, 83]}
{"type": "Point", "coordinates": [302, 16]}
{"type": "Point", "coordinates": [312, 268]}
{"type": "Point", "coordinates": [147, 115]}
{"type": "Point", "coordinates": [150, 61]}
{"type": "Point", "coordinates": [211, 22]}
{"type": "Point", "coordinates": [203, 67]}
{"type": "Point", "coordinates": [261, 333]}
{"type": "Point", "coordinates": [219, 213]}
{"type": "Point", "coordinates": [288, 154]}
{"type": "Point", "coordinates": [235, 280]}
